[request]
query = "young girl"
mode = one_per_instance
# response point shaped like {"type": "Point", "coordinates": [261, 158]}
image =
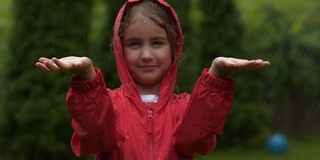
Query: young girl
{"type": "Point", "coordinates": [143, 119]}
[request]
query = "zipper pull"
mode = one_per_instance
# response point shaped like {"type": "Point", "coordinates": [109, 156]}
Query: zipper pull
{"type": "Point", "coordinates": [150, 117]}
{"type": "Point", "coordinates": [149, 111]}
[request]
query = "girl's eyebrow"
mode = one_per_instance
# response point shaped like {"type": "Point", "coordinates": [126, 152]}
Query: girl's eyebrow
{"type": "Point", "coordinates": [159, 38]}
{"type": "Point", "coordinates": [133, 38]}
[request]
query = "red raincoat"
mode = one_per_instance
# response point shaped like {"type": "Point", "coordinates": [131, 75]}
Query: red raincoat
{"type": "Point", "coordinates": [116, 124]}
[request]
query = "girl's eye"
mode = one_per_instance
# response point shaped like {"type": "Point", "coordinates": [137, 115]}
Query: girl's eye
{"type": "Point", "coordinates": [134, 45]}
{"type": "Point", "coordinates": [157, 44]}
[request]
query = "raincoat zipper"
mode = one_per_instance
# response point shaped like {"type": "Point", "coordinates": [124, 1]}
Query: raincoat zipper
{"type": "Point", "coordinates": [150, 134]}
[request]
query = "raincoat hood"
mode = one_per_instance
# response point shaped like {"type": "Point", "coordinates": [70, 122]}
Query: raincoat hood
{"type": "Point", "coordinates": [127, 82]}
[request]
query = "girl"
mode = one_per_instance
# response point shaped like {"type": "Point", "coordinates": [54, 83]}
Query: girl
{"type": "Point", "coordinates": [143, 118]}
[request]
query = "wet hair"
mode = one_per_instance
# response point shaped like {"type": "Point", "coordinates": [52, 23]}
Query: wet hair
{"type": "Point", "coordinates": [157, 13]}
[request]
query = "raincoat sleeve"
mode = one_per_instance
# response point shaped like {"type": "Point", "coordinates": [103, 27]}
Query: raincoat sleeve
{"type": "Point", "coordinates": [210, 102]}
{"type": "Point", "coordinates": [93, 117]}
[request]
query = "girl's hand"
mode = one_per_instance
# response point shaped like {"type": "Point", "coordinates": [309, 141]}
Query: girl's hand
{"type": "Point", "coordinates": [222, 67]}
{"type": "Point", "coordinates": [81, 67]}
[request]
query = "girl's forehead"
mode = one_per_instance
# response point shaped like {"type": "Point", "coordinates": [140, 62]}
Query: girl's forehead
{"type": "Point", "coordinates": [140, 18]}
{"type": "Point", "coordinates": [142, 21]}
{"type": "Point", "coordinates": [142, 28]}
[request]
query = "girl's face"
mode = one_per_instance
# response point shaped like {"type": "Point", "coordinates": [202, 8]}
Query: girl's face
{"type": "Point", "coordinates": [147, 52]}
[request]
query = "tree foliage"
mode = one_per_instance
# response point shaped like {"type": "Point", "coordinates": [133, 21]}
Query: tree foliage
{"type": "Point", "coordinates": [287, 35]}
{"type": "Point", "coordinates": [36, 123]}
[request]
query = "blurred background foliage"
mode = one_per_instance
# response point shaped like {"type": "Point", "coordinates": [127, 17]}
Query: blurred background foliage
{"type": "Point", "coordinates": [285, 97]}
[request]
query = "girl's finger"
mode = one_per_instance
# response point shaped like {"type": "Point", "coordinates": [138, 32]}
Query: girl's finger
{"type": "Point", "coordinates": [51, 65]}
{"type": "Point", "coordinates": [42, 66]}
{"type": "Point", "coordinates": [266, 63]}
{"type": "Point", "coordinates": [42, 59]}
{"type": "Point", "coordinates": [58, 63]}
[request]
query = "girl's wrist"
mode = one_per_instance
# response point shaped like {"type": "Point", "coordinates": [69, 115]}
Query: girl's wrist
{"type": "Point", "coordinates": [216, 74]}
{"type": "Point", "coordinates": [88, 74]}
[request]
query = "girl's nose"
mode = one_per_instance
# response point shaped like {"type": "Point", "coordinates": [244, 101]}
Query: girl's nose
{"type": "Point", "coordinates": [146, 54]}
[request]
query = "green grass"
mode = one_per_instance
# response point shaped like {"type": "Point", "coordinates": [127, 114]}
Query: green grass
{"type": "Point", "coordinates": [299, 149]}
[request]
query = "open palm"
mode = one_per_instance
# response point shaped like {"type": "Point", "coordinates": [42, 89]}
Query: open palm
{"type": "Point", "coordinates": [223, 66]}
{"type": "Point", "coordinates": [80, 66]}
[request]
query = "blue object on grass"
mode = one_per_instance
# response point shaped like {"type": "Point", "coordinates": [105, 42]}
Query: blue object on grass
{"type": "Point", "coordinates": [277, 143]}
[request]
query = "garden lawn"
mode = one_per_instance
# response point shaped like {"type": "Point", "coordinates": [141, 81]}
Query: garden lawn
{"type": "Point", "coordinates": [299, 149]}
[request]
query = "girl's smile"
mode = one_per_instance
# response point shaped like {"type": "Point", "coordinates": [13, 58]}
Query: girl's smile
{"type": "Point", "coordinates": [148, 67]}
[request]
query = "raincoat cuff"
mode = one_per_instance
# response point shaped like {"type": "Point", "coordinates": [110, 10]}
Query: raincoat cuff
{"type": "Point", "coordinates": [88, 85]}
{"type": "Point", "coordinates": [220, 84]}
